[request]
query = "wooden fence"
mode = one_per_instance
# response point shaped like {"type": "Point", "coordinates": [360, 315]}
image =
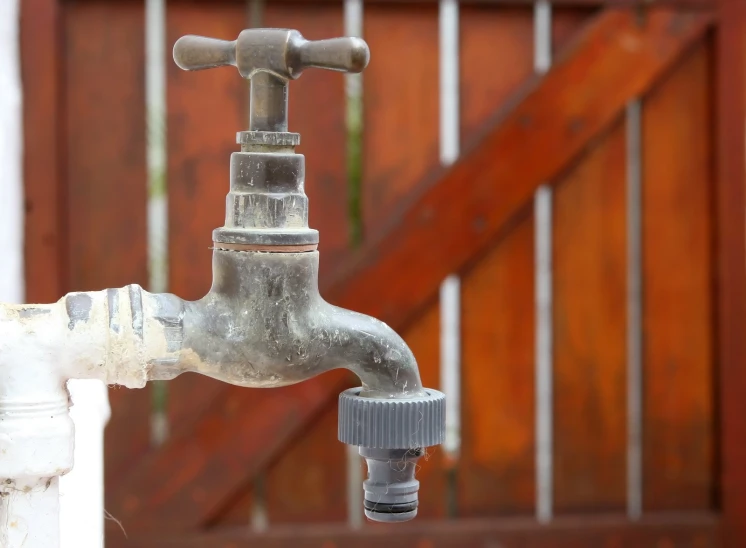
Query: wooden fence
{"type": "Point", "coordinates": [233, 453]}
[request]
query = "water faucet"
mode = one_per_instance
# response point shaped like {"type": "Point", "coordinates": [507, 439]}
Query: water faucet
{"type": "Point", "coordinates": [262, 324]}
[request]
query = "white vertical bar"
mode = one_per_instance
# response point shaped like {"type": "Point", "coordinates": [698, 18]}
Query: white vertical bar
{"type": "Point", "coordinates": [542, 36]}
{"type": "Point", "coordinates": [544, 348]}
{"type": "Point", "coordinates": [353, 18]}
{"type": "Point", "coordinates": [448, 23]}
{"type": "Point", "coordinates": [259, 519]}
{"type": "Point", "coordinates": [11, 156]}
{"type": "Point", "coordinates": [543, 296]}
{"type": "Point", "coordinates": [353, 26]}
{"type": "Point", "coordinates": [634, 310]}
{"type": "Point", "coordinates": [450, 289]}
{"type": "Point", "coordinates": [155, 96]}
{"type": "Point", "coordinates": [450, 361]}
{"type": "Point", "coordinates": [157, 214]}
{"type": "Point", "coordinates": [82, 489]}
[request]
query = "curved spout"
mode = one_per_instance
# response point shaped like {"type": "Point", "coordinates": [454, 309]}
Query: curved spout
{"type": "Point", "coordinates": [264, 324]}
{"type": "Point", "coordinates": [374, 352]}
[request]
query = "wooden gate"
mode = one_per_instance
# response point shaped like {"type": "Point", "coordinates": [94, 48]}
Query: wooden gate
{"type": "Point", "coordinates": [393, 225]}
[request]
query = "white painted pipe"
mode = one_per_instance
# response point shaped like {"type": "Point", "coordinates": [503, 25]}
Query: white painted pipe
{"type": "Point", "coordinates": [82, 489]}
{"type": "Point", "coordinates": [97, 335]}
{"type": "Point", "coordinates": [30, 512]}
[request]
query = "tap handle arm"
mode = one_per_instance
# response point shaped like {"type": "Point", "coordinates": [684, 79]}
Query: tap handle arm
{"type": "Point", "coordinates": [200, 52]}
{"type": "Point", "coordinates": [282, 52]}
{"type": "Point", "coordinates": [347, 54]}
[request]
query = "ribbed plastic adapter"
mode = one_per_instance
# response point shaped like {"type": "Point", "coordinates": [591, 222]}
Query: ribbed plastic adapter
{"type": "Point", "coordinates": [380, 423]}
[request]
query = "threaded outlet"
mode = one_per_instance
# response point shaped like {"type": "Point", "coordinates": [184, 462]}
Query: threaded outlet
{"type": "Point", "coordinates": [379, 423]}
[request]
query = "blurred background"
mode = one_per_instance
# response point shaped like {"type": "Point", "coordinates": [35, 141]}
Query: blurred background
{"type": "Point", "coordinates": [550, 174]}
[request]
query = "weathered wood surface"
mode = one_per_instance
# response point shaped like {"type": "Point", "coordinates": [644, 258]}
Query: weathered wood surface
{"type": "Point", "coordinates": [730, 205]}
{"type": "Point", "coordinates": [678, 305]}
{"type": "Point", "coordinates": [589, 262]}
{"type": "Point", "coordinates": [45, 194]}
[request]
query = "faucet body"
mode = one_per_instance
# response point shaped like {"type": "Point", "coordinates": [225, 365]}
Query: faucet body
{"type": "Point", "coordinates": [263, 323]}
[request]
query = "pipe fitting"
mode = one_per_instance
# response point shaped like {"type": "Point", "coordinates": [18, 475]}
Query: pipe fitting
{"type": "Point", "coordinates": [392, 435]}
{"type": "Point", "coordinates": [111, 335]}
{"type": "Point", "coordinates": [391, 490]}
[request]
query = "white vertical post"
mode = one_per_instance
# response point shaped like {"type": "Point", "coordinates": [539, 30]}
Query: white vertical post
{"type": "Point", "coordinates": [544, 348]}
{"type": "Point", "coordinates": [11, 156]}
{"type": "Point", "coordinates": [353, 26]}
{"type": "Point", "coordinates": [155, 97]}
{"type": "Point", "coordinates": [448, 27]}
{"type": "Point", "coordinates": [450, 289]}
{"type": "Point", "coordinates": [82, 489]}
{"type": "Point", "coordinates": [259, 519]}
{"type": "Point", "coordinates": [543, 296]}
{"type": "Point", "coordinates": [450, 361]}
{"type": "Point", "coordinates": [157, 214]}
{"type": "Point", "coordinates": [634, 310]}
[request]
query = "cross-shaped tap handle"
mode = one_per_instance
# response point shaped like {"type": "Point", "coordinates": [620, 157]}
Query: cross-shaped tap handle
{"type": "Point", "coordinates": [282, 52]}
{"type": "Point", "coordinates": [271, 57]}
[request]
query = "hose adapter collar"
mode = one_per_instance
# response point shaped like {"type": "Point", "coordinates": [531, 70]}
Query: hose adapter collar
{"type": "Point", "coordinates": [379, 423]}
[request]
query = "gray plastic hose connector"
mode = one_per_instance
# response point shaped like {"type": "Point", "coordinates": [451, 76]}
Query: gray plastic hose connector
{"type": "Point", "coordinates": [379, 423]}
{"type": "Point", "coordinates": [391, 435]}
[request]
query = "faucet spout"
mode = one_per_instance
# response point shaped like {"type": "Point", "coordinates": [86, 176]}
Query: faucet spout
{"type": "Point", "coordinates": [264, 324]}
{"type": "Point", "coordinates": [376, 354]}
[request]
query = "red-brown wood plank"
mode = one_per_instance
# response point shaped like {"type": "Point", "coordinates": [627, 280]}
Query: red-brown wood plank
{"type": "Point", "coordinates": [700, 530]}
{"type": "Point", "coordinates": [488, 77]}
{"type": "Point", "coordinates": [106, 180]}
{"type": "Point", "coordinates": [678, 307]}
{"type": "Point", "coordinates": [105, 142]}
{"type": "Point", "coordinates": [495, 467]}
{"type": "Point", "coordinates": [730, 111]}
{"type": "Point", "coordinates": [308, 483]}
{"type": "Point", "coordinates": [589, 271]}
{"type": "Point", "coordinates": [45, 234]}
{"type": "Point", "coordinates": [204, 111]}
{"type": "Point", "coordinates": [399, 275]}
{"type": "Point", "coordinates": [400, 103]}
{"type": "Point", "coordinates": [566, 23]}
{"type": "Point", "coordinates": [237, 511]}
